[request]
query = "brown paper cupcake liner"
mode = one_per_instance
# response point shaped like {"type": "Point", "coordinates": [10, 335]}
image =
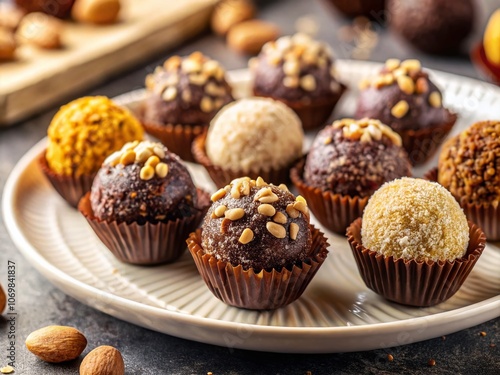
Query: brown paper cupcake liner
{"type": "Point", "coordinates": [334, 211]}
{"type": "Point", "coordinates": [413, 283]}
{"type": "Point", "coordinates": [264, 290]}
{"type": "Point", "coordinates": [315, 114]}
{"type": "Point", "coordinates": [422, 144]}
{"type": "Point", "coordinates": [178, 138]}
{"type": "Point", "coordinates": [222, 176]}
{"type": "Point", "coordinates": [147, 244]}
{"type": "Point", "coordinates": [70, 188]}
{"type": "Point", "coordinates": [487, 217]}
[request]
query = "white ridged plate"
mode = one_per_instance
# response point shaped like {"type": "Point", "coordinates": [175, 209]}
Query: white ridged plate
{"type": "Point", "coordinates": [337, 313]}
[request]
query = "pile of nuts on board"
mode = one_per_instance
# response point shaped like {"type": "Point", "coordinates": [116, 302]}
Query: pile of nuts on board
{"type": "Point", "coordinates": [235, 20]}
{"type": "Point", "coordinates": [56, 344]}
{"type": "Point", "coordinates": [36, 23]}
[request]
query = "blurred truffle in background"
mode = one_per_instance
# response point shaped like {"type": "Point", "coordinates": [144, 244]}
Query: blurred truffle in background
{"type": "Point", "coordinates": [432, 26]}
{"type": "Point", "coordinates": [352, 8]}
{"type": "Point", "coordinates": [59, 8]}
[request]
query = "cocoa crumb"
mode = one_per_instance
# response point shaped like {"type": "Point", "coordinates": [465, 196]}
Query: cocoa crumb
{"type": "Point", "coordinates": [432, 362]}
{"type": "Point", "coordinates": [482, 333]}
{"type": "Point", "coordinates": [308, 373]}
{"type": "Point", "coordinates": [390, 357]}
{"type": "Point", "coordinates": [443, 338]}
{"type": "Point", "coordinates": [492, 345]}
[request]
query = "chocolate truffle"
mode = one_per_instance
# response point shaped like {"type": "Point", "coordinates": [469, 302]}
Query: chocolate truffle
{"type": "Point", "coordinates": [143, 182]}
{"type": "Point", "coordinates": [186, 90]}
{"type": "Point", "coordinates": [433, 26]}
{"type": "Point", "coordinates": [403, 97]}
{"type": "Point", "coordinates": [300, 72]}
{"type": "Point", "coordinates": [254, 134]}
{"type": "Point", "coordinates": [469, 164]}
{"type": "Point", "coordinates": [355, 158]}
{"type": "Point", "coordinates": [353, 8]}
{"type": "Point", "coordinates": [85, 131]}
{"type": "Point", "coordinates": [415, 219]}
{"type": "Point", "coordinates": [59, 8]}
{"type": "Point", "coordinates": [257, 225]}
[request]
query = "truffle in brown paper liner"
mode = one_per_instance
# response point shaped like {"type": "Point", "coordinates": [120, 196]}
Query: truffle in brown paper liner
{"type": "Point", "coordinates": [334, 211]}
{"type": "Point", "coordinates": [315, 113]}
{"type": "Point", "coordinates": [423, 143]}
{"type": "Point", "coordinates": [413, 283]}
{"type": "Point", "coordinates": [70, 188]}
{"type": "Point", "coordinates": [148, 244]}
{"type": "Point", "coordinates": [487, 217]}
{"type": "Point", "coordinates": [178, 138]}
{"type": "Point", "coordinates": [265, 290]}
{"type": "Point", "coordinates": [221, 177]}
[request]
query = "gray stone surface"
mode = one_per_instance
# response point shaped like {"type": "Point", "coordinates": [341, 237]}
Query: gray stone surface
{"type": "Point", "coordinates": [148, 352]}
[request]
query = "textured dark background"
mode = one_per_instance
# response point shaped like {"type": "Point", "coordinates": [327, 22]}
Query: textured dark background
{"type": "Point", "coordinates": [148, 352]}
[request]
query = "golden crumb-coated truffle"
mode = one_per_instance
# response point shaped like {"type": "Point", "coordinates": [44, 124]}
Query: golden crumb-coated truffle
{"type": "Point", "coordinates": [85, 131]}
{"type": "Point", "coordinates": [469, 164]}
{"type": "Point", "coordinates": [416, 219]}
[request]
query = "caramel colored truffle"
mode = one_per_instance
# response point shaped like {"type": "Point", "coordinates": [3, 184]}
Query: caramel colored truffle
{"type": "Point", "coordinates": [355, 158]}
{"type": "Point", "coordinates": [469, 164]}
{"type": "Point", "coordinates": [143, 182]}
{"type": "Point", "coordinates": [257, 225]}
{"type": "Point", "coordinates": [85, 131]}
{"type": "Point", "coordinates": [186, 90]}
{"type": "Point", "coordinates": [403, 97]}
{"type": "Point", "coordinates": [415, 219]}
{"type": "Point", "coordinates": [254, 134]}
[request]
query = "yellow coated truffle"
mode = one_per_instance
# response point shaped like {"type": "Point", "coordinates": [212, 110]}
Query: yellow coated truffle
{"type": "Point", "coordinates": [491, 39]}
{"type": "Point", "coordinates": [85, 131]}
{"type": "Point", "coordinates": [416, 219]}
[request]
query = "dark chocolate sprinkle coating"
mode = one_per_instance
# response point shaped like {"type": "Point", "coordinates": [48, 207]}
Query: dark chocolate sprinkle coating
{"type": "Point", "coordinates": [352, 167]}
{"type": "Point", "coordinates": [119, 194]}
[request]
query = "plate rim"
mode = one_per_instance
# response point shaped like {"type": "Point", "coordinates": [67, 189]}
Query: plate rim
{"type": "Point", "coordinates": [472, 314]}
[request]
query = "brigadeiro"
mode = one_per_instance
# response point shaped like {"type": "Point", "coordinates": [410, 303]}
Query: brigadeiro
{"type": "Point", "coordinates": [433, 26]}
{"type": "Point", "coordinates": [300, 72]}
{"type": "Point", "coordinates": [60, 8]}
{"type": "Point", "coordinates": [347, 162]}
{"type": "Point", "coordinates": [251, 137]}
{"type": "Point", "coordinates": [80, 136]}
{"type": "Point", "coordinates": [403, 97]}
{"type": "Point", "coordinates": [256, 248]}
{"type": "Point", "coordinates": [469, 167]}
{"type": "Point", "coordinates": [413, 244]}
{"type": "Point", "coordinates": [354, 8]}
{"type": "Point", "coordinates": [183, 95]}
{"type": "Point", "coordinates": [143, 204]}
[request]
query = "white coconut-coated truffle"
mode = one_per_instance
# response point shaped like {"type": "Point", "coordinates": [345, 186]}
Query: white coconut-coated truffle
{"type": "Point", "coordinates": [416, 219]}
{"type": "Point", "coordinates": [254, 134]}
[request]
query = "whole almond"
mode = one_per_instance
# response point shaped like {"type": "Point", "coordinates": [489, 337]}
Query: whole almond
{"type": "Point", "coordinates": [10, 17]}
{"type": "Point", "coordinates": [103, 360]}
{"type": "Point", "coordinates": [3, 299]}
{"type": "Point", "coordinates": [41, 30]}
{"type": "Point", "coordinates": [250, 36]}
{"type": "Point", "coordinates": [56, 343]}
{"type": "Point", "coordinates": [228, 13]}
{"type": "Point", "coordinates": [96, 11]}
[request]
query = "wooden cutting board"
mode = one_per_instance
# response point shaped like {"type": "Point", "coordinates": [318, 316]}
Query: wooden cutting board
{"type": "Point", "coordinates": [39, 78]}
